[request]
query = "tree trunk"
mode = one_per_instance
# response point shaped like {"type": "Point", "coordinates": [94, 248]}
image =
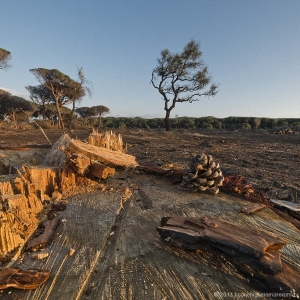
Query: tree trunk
{"type": "Point", "coordinates": [71, 115]}
{"type": "Point", "coordinates": [167, 121]}
{"type": "Point", "coordinates": [60, 120]}
{"type": "Point", "coordinates": [14, 117]}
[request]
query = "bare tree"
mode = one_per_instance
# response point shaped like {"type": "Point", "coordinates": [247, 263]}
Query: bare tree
{"type": "Point", "coordinates": [87, 87]}
{"type": "Point", "coordinates": [181, 77]}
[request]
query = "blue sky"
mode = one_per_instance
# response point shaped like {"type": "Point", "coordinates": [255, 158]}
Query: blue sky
{"type": "Point", "coordinates": [251, 47]}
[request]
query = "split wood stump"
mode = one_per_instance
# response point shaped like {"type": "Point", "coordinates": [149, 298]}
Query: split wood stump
{"type": "Point", "coordinates": [103, 155]}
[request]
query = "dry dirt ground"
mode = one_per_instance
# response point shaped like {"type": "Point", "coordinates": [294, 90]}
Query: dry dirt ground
{"type": "Point", "coordinates": [118, 252]}
{"type": "Point", "coordinates": [270, 162]}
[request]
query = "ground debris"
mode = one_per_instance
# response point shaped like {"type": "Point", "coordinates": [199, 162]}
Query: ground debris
{"type": "Point", "coordinates": [287, 204]}
{"type": "Point", "coordinates": [252, 208]}
{"type": "Point", "coordinates": [255, 252]}
{"type": "Point", "coordinates": [238, 185]}
{"type": "Point", "coordinates": [22, 279]}
{"type": "Point", "coordinates": [285, 131]}
{"type": "Point", "coordinates": [149, 168]}
{"type": "Point", "coordinates": [40, 255]}
{"type": "Point", "coordinates": [44, 238]}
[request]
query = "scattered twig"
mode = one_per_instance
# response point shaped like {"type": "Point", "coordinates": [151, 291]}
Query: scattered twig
{"type": "Point", "coordinates": [43, 132]}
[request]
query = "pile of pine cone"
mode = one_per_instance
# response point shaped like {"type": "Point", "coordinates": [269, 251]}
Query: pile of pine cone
{"type": "Point", "coordinates": [203, 174]}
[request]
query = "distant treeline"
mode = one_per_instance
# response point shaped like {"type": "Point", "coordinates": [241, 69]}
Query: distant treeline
{"type": "Point", "coordinates": [15, 109]}
{"type": "Point", "coordinates": [230, 123]}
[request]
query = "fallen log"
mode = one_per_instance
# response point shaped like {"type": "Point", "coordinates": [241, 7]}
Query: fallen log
{"type": "Point", "coordinates": [83, 165]}
{"type": "Point", "coordinates": [80, 164]}
{"type": "Point", "coordinates": [103, 155]}
{"type": "Point", "coordinates": [22, 279]}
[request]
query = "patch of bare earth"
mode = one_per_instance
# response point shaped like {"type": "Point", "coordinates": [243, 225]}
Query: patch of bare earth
{"type": "Point", "coordinates": [110, 227]}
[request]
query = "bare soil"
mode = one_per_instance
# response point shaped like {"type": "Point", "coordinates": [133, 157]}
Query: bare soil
{"type": "Point", "coordinates": [118, 252]}
{"type": "Point", "coordinates": [270, 162]}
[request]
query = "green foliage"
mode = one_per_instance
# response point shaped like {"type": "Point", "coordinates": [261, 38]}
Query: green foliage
{"type": "Point", "coordinates": [185, 122]}
{"type": "Point", "coordinates": [13, 107]}
{"type": "Point", "coordinates": [57, 87]}
{"type": "Point", "coordinates": [181, 77]}
{"type": "Point", "coordinates": [100, 111]}
{"type": "Point", "coordinates": [212, 123]}
{"type": "Point", "coordinates": [5, 56]}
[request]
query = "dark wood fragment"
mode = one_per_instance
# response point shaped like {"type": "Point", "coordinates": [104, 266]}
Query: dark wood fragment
{"type": "Point", "coordinates": [22, 279]}
{"type": "Point", "coordinates": [252, 208]}
{"type": "Point", "coordinates": [146, 202]}
{"type": "Point", "coordinates": [254, 252]}
{"type": "Point", "coordinates": [45, 238]}
{"type": "Point", "coordinates": [100, 170]}
{"type": "Point", "coordinates": [193, 233]}
{"type": "Point", "coordinates": [253, 242]}
{"type": "Point", "coordinates": [153, 169]}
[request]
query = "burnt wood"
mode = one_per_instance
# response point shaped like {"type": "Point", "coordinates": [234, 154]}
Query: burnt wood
{"type": "Point", "coordinates": [22, 279]}
{"type": "Point", "coordinates": [254, 252]}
